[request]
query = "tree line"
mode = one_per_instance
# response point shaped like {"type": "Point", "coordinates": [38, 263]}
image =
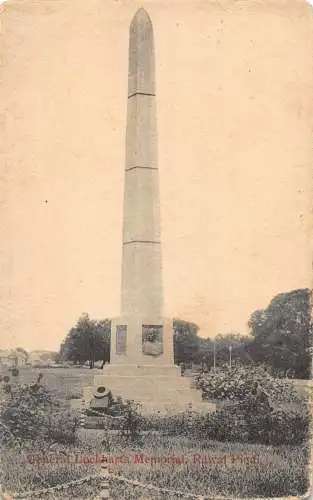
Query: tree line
{"type": "Point", "coordinates": [280, 336]}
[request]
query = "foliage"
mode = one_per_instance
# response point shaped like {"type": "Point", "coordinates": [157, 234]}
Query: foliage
{"type": "Point", "coordinates": [184, 423]}
{"type": "Point", "coordinates": [246, 421]}
{"type": "Point", "coordinates": [222, 345]}
{"type": "Point", "coordinates": [282, 333]}
{"type": "Point", "coordinates": [239, 381]}
{"type": "Point", "coordinates": [122, 416]}
{"type": "Point", "coordinates": [131, 423]}
{"type": "Point", "coordinates": [254, 423]}
{"type": "Point", "coordinates": [89, 341]}
{"type": "Point", "coordinates": [281, 337]}
{"type": "Point", "coordinates": [30, 412]}
{"type": "Point", "coordinates": [61, 426]}
{"type": "Point", "coordinates": [257, 407]}
{"type": "Point", "coordinates": [186, 341]}
{"type": "Point", "coordinates": [289, 425]}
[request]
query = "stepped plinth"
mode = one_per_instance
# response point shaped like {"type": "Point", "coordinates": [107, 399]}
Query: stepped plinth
{"type": "Point", "coordinates": [158, 388]}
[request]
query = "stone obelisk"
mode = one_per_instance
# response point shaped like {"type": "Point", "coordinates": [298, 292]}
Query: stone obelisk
{"type": "Point", "coordinates": [142, 295]}
{"type": "Point", "coordinates": [142, 363]}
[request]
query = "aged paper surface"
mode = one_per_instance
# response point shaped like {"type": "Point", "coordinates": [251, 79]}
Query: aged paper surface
{"type": "Point", "coordinates": [156, 240]}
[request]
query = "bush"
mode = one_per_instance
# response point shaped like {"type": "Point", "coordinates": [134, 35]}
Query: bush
{"type": "Point", "coordinates": [61, 427]}
{"type": "Point", "coordinates": [131, 421]}
{"type": "Point", "coordinates": [289, 426]}
{"type": "Point", "coordinates": [257, 407]}
{"type": "Point", "coordinates": [237, 383]}
{"type": "Point", "coordinates": [238, 423]}
{"type": "Point", "coordinates": [31, 412]}
{"type": "Point", "coordinates": [245, 421]}
{"type": "Point", "coordinates": [185, 423]}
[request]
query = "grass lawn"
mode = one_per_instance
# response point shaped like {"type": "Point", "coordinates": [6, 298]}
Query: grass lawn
{"type": "Point", "coordinates": [66, 383]}
{"type": "Point", "coordinates": [209, 468]}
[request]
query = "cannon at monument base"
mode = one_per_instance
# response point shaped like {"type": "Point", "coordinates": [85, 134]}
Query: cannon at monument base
{"type": "Point", "coordinates": [159, 389]}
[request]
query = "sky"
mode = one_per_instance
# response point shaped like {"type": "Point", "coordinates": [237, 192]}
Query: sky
{"type": "Point", "coordinates": [234, 107]}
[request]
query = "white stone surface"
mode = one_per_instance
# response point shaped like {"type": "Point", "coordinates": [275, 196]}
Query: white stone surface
{"type": "Point", "coordinates": [142, 290]}
{"type": "Point", "coordinates": [156, 388]}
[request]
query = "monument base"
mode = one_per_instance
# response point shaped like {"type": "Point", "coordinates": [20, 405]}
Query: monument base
{"type": "Point", "coordinates": [158, 389]}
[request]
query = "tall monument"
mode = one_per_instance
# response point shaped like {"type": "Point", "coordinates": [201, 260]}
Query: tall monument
{"type": "Point", "coordinates": [141, 335]}
{"type": "Point", "coordinates": [142, 361]}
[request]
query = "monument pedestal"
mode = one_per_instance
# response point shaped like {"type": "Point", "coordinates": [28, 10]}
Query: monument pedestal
{"type": "Point", "coordinates": [142, 367]}
{"type": "Point", "coordinates": [158, 388]}
{"type": "Point", "coordinates": [141, 340]}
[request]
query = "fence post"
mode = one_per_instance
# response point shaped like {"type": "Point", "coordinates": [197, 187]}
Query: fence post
{"type": "Point", "coordinates": [105, 492]}
{"type": "Point", "coordinates": [83, 414]}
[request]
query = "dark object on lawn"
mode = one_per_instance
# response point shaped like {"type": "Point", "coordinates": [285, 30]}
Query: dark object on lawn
{"type": "Point", "coordinates": [15, 372]}
{"type": "Point", "coordinates": [7, 388]}
{"type": "Point", "coordinates": [102, 399]}
{"type": "Point", "coordinates": [6, 379]}
{"type": "Point", "coordinates": [36, 385]}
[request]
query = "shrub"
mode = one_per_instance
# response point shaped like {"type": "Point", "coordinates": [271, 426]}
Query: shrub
{"type": "Point", "coordinates": [289, 426]}
{"type": "Point", "coordinates": [132, 419]}
{"type": "Point", "coordinates": [31, 412]}
{"type": "Point", "coordinates": [227, 424]}
{"type": "Point", "coordinates": [61, 426]}
{"type": "Point", "coordinates": [184, 423]}
{"type": "Point", "coordinates": [237, 383]}
{"type": "Point", "coordinates": [258, 408]}
{"type": "Point", "coordinates": [238, 423]}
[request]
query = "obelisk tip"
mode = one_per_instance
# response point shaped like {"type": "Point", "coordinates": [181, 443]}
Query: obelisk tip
{"type": "Point", "coordinates": [141, 16]}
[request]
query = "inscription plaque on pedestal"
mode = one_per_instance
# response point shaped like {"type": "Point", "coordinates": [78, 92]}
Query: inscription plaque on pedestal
{"type": "Point", "coordinates": [121, 339]}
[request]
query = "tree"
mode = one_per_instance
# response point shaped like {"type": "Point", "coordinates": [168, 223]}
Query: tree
{"type": "Point", "coordinates": [256, 322]}
{"type": "Point", "coordinates": [189, 348]}
{"type": "Point", "coordinates": [205, 353]}
{"type": "Point", "coordinates": [237, 343]}
{"type": "Point", "coordinates": [186, 341]}
{"type": "Point", "coordinates": [89, 341]}
{"type": "Point", "coordinates": [282, 333]}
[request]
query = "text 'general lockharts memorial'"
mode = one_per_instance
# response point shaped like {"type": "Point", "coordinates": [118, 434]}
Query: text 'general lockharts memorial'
{"type": "Point", "coordinates": [142, 363]}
